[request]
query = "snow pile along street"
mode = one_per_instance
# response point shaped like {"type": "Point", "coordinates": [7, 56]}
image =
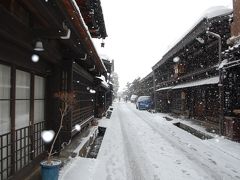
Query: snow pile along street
{"type": "Point", "coordinates": [141, 145]}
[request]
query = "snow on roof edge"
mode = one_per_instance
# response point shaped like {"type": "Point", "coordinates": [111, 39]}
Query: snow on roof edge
{"type": "Point", "coordinates": [90, 37]}
{"type": "Point", "coordinates": [217, 11]}
{"type": "Point", "coordinates": [207, 14]}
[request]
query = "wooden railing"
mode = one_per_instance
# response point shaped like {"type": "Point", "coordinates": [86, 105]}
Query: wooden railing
{"type": "Point", "coordinates": [19, 148]}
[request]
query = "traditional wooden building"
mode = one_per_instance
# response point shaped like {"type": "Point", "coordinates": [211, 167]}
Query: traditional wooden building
{"type": "Point", "coordinates": [104, 89]}
{"type": "Point", "coordinates": [187, 78]}
{"type": "Point", "coordinates": [230, 68]}
{"type": "Point", "coordinates": [146, 86]}
{"type": "Point", "coordinates": [58, 35]}
{"type": "Point", "coordinates": [109, 64]}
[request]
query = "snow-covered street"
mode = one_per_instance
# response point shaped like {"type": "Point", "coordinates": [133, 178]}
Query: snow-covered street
{"type": "Point", "coordinates": [142, 145]}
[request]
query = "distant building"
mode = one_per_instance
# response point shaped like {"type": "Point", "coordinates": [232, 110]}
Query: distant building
{"type": "Point", "coordinates": [104, 89]}
{"type": "Point", "coordinates": [146, 85]}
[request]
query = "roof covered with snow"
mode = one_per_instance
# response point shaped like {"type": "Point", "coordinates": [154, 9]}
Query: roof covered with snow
{"type": "Point", "coordinates": [79, 24]}
{"type": "Point", "coordinates": [91, 11]}
{"type": "Point", "coordinates": [199, 27]}
{"type": "Point", "coordinates": [103, 81]}
{"type": "Point", "coordinates": [211, 80]}
{"type": "Point", "coordinates": [165, 88]}
{"type": "Point", "coordinates": [101, 78]}
{"type": "Point", "coordinates": [104, 56]}
{"type": "Point", "coordinates": [150, 75]}
{"type": "Point", "coordinates": [216, 11]}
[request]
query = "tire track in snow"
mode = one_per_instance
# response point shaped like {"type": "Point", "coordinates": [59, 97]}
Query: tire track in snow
{"type": "Point", "coordinates": [190, 154]}
{"type": "Point", "coordinates": [136, 172]}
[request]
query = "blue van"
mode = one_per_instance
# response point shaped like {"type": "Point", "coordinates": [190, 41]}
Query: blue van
{"type": "Point", "coordinates": [144, 102]}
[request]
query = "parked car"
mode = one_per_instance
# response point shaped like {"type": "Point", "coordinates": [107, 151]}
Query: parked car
{"type": "Point", "coordinates": [144, 102]}
{"type": "Point", "coordinates": [133, 98]}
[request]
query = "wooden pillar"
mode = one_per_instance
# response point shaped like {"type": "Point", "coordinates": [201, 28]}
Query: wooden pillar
{"type": "Point", "coordinates": [12, 115]}
{"type": "Point", "coordinates": [67, 85]}
{"type": "Point", "coordinates": [235, 28]}
{"type": "Point", "coordinates": [31, 118]}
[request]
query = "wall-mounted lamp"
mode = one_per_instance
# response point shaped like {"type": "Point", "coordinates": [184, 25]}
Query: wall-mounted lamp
{"type": "Point", "coordinates": [102, 44]}
{"type": "Point", "coordinates": [39, 46]}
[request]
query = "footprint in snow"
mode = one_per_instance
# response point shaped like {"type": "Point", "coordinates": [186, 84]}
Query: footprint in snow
{"type": "Point", "coordinates": [155, 165]}
{"type": "Point", "coordinates": [212, 161]}
{"type": "Point", "coordinates": [155, 177]}
{"type": "Point", "coordinates": [192, 148]}
{"type": "Point", "coordinates": [184, 171]}
{"type": "Point", "coordinates": [207, 154]}
{"type": "Point", "coordinates": [109, 177]}
{"type": "Point", "coordinates": [234, 171]}
{"type": "Point", "coordinates": [178, 162]}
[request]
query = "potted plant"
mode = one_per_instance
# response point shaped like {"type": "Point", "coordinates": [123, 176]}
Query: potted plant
{"type": "Point", "coordinates": [50, 167]}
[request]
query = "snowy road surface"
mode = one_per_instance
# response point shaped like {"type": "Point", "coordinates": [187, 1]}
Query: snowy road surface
{"type": "Point", "coordinates": [143, 146]}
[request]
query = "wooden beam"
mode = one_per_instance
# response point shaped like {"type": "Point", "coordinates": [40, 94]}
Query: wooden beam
{"type": "Point", "coordinates": [21, 50]}
{"type": "Point", "coordinates": [48, 33]}
{"type": "Point", "coordinates": [31, 116]}
{"type": "Point", "coordinates": [83, 72]}
{"type": "Point", "coordinates": [45, 13]}
{"type": "Point", "coordinates": [12, 26]}
{"type": "Point", "coordinates": [77, 23]}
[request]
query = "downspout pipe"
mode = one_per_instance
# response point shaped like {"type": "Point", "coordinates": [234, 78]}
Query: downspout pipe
{"type": "Point", "coordinates": [220, 85]}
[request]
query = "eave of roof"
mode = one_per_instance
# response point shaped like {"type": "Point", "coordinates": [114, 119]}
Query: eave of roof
{"type": "Point", "coordinates": [150, 75]}
{"type": "Point", "coordinates": [80, 27]}
{"type": "Point", "coordinates": [92, 14]}
{"type": "Point", "coordinates": [201, 27]}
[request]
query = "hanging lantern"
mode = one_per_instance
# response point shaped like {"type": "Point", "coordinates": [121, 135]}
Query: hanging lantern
{"type": "Point", "coordinates": [39, 46]}
{"type": "Point", "coordinates": [102, 44]}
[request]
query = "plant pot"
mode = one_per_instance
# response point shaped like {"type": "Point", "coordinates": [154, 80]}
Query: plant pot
{"type": "Point", "coordinates": [50, 171]}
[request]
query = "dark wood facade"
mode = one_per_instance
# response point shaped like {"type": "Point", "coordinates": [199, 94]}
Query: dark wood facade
{"type": "Point", "coordinates": [69, 62]}
{"type": "Point", "coordinates": [187, 78]}
{"type": "Point", "coordinates": [104, 90]}
{"type": "Point", "coordinates": [199, 77]}
{"type": "Point", "coordinates": [146, 86]}
{"type": "Point", "coordinates": [231, 80]}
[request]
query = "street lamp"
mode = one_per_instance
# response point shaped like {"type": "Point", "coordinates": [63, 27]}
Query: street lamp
{"type": "Point", "coordinates": [220, 85]}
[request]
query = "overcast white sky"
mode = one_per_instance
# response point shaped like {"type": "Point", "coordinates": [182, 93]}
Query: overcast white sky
{"type": "Point", "coordinates": [141, 31]}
